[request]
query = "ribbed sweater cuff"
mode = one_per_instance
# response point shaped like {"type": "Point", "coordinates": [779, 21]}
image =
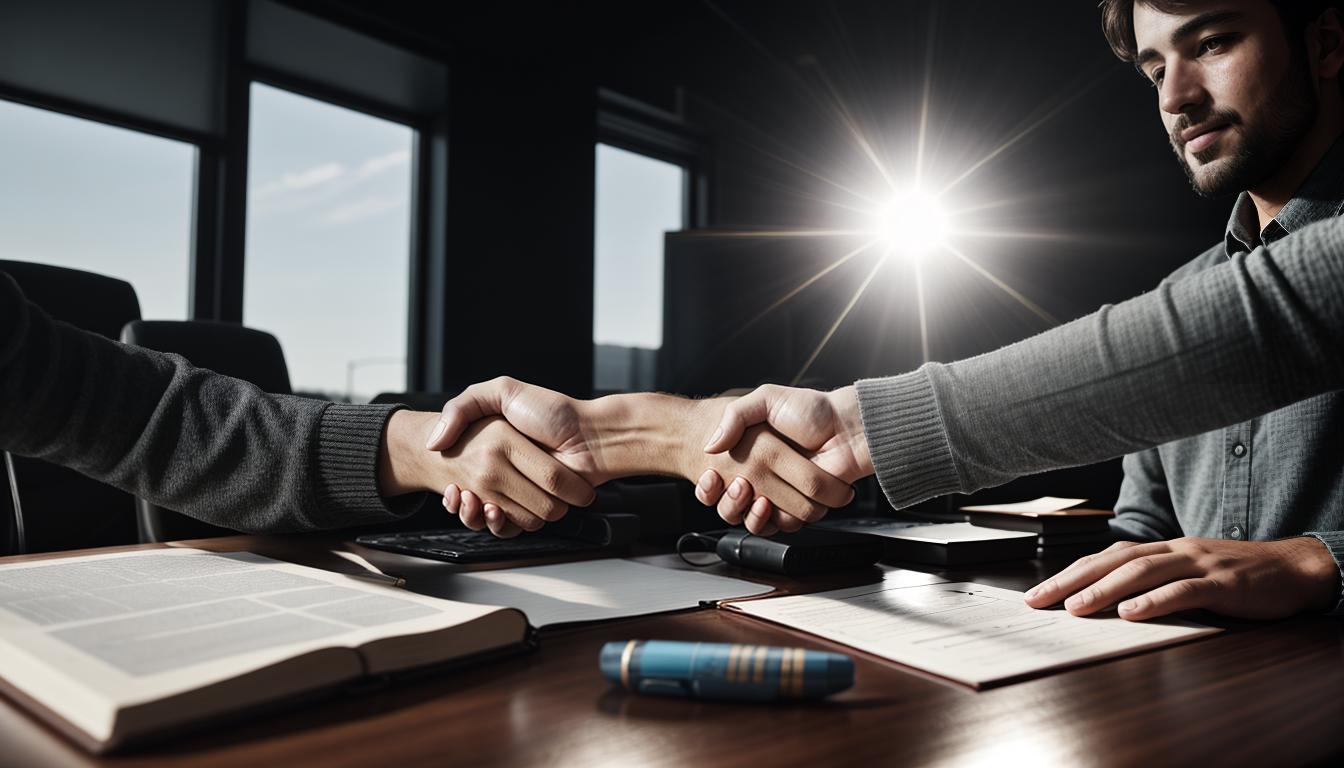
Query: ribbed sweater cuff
{"type": "Point", "coordinates": [348, 440]}
{"type": "Point", "coordinates": [906, 438]}
{"type": "Point", "coordinates": [1334, 541]}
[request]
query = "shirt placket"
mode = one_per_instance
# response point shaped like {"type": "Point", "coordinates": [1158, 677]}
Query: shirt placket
{"type": "Point", "coordinates": [1235, 517]}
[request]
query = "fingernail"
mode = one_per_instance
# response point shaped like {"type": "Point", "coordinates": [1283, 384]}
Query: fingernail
{"type": "Point", "coordinates": [717, 434]}
{"type": "Point", "coordinates": [437, 433]}
{"type": "Point", "coordinates": [1078, 600]}
{"type": "Point", "coordinates": [1128, 606]}
{"type": "Point", "coordinates": [705, 480]}
{"type": "Point", "coordinates": [1034, 591]}
{"type": "Point", "coordinates": [735, 490]}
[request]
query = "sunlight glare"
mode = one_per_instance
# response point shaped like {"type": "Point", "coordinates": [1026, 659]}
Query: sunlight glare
{"type": "Point", "coordinates": [911, 225]}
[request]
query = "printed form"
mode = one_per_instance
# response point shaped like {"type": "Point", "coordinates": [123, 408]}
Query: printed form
{"type": "Point", "coordinates": [974, 634]}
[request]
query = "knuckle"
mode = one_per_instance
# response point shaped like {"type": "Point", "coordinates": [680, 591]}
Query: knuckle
{"type": "Point", "coordinates": [550, 478]}
{"type": "Point", "coordinates": [1139, 567]}
{"type": "Point", "coordinates": [1185, 589]}
{"type": "Point", "coordinates": [553, 510]}
{"type": "Point", "coordinates": [1236, 580]}
{"type": "Point", "coordinates": [811, 512]}
{"type": "Point", "coordinates": [812, 486]}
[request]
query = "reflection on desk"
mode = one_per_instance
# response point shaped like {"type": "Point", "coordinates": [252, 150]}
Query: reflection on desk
{"type": "Point", "coordinates": [1257, 694]}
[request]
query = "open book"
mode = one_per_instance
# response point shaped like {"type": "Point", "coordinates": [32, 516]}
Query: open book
{"type": "Point", "coordinates": [111, 647]}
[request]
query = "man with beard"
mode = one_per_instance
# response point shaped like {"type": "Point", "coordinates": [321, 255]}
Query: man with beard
{"type": "Point", "coordinates": [1247, 519]}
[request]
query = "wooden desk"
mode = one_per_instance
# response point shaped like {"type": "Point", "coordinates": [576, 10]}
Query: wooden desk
{"type": "Point", "coordinates": [1259, 694]}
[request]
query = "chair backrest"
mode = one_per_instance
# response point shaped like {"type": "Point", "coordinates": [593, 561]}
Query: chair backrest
{"type": "Point", "coordinates": [232, 350]}
{"type": "Point", "coordinates": [62, 508]}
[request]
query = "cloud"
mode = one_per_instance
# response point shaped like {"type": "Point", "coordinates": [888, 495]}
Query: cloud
{"type": "Point", "coordinates": [321, 184]}
{"type": "Point", "coordinates": [300, 180]}
{"type": "Point", "coordinates": [376, 165]}
{"type": "Point", "coordinates": [361, 209]}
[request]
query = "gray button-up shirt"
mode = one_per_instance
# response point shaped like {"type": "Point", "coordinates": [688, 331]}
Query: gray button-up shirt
{"type": "Point", "coordinates": [1278, 475]}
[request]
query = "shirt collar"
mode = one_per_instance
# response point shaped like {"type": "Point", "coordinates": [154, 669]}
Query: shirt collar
{"type": "Point", "coordinates": [1321, 196]}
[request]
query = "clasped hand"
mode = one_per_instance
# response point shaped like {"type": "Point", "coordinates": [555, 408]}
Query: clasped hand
{"type": "Point", "coordinates": [784, 473]}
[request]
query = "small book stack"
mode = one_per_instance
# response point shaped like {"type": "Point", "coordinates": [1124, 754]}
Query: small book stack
{"type": "Point", "coordinates": [1062, 527]}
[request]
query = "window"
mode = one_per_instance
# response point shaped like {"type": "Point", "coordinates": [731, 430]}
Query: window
{"type": "Point", "coordinates": [80, 194]}
{"type": "Point", "coordinates": [638, 200]}
{"type": "Point", "coordinates": [327, 267]}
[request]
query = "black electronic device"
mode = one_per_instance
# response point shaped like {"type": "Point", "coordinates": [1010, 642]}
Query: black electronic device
{"type": "Point", "coordinates": [797, 554]}
{"type": "Point", "coordinates": [577, 533]}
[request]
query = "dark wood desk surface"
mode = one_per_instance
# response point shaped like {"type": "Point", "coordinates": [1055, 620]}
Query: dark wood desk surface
{"type": "Point", "coordinates": [1259, 694]}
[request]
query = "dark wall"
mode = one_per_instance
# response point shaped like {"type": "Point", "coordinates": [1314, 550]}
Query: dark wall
{"type": "Point", "coordinates": [1087, 183]}
{"type": "Point", "coordinates": [1080, 174]}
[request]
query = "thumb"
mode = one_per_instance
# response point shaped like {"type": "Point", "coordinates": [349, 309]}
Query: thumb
{"type": "Point", "coordinates": [743, 412]}
{"type": "Point", "coordinates": [475, 402]}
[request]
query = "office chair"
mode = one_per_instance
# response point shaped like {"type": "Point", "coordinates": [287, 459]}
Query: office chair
{"type": "Point", "coordinates": [243, 353]}
{"type": "Point", "coordinates": [50, 507]}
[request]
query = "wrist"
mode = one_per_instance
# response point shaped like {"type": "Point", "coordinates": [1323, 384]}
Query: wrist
{"type": "Point", "coordinates": [1317, 572]}
{"type": "Point", "coordinates": [647, 434]}
{"type": "Point", "coordinates": [402, 458]}
{"type": "Point", "coordinates": [845, 405]}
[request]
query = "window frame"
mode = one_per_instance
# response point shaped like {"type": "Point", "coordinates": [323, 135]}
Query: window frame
{"type": "Point", "coordinates": [219, 206]}
{"type": "Point", "coordinates": [633, 126]}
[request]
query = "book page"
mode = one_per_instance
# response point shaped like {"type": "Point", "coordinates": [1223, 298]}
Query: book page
{"type": "Point", "coordinates": [84, 632]}
{"type": "Point", "coordinates": [970, 633]}
{"type": "Point", "coordinates": [591, 590]}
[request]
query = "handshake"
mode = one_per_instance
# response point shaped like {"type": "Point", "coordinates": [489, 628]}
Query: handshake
{"type": "Point", "coordinates": [510, 456]}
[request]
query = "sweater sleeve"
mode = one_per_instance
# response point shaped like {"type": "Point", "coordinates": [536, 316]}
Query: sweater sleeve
{"type": "Point", "coordinates": [209, 446]}
{"type": "Point", "coordinates": [1246, 337]}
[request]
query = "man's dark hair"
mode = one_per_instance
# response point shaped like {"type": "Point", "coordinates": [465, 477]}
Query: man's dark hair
{"type": "Point", "coordinates": [1117, 19]}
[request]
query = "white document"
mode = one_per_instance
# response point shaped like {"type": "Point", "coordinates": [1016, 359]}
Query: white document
{"type": "Point", "coordinates": [590, 590]}
{"type": "Point", "coordinates": [970, 633]}
{"type": "Point", "coordinates": [1043, 504]}
{"type": "Point", "coordinates": [949, 533]}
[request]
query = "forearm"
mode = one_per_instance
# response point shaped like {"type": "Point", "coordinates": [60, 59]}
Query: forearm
{"type": "Point", "coordinates": [645, 434]}
{"type": "Point", "coordinates": [212, 447]}
{"type": "Point", "coordinates": [1196, 354]}
{"type": "Point", "coordinates": [403, 462]}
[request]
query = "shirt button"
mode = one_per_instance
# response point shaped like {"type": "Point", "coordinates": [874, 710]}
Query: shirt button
{"type": "Point", "coordinates": [1238, 450]}
{"type": "Point", "coordinates": [1234, 532]}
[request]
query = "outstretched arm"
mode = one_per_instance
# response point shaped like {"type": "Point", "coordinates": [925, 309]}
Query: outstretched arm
{"type": "Point", "coordinates": [223, 451]}
{"type": "Point", "coordinates": [1244, 338]}
{"type": "Point", "coordinates": [644, 434]}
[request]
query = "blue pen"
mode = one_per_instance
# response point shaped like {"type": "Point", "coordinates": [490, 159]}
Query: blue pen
{"type": "Point", "coordinates": [724, 670]}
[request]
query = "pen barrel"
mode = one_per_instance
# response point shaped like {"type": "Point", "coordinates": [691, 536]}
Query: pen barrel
{"type": "Point", "coordinates": [725, 670]}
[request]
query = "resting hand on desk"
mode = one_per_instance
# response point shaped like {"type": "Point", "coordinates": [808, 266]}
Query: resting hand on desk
{"type": "Point", "coordinates": [1245, 579]}
{"type": "Point", "coordinates": [650, 434]}
{"type": "Point", "coordinates": [514, 485]}
{"type": "Point", "coordinates": [825, 425]}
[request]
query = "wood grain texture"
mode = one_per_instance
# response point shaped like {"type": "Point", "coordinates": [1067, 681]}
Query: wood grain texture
{"type": "Point", "coordinates": [1258, 694]}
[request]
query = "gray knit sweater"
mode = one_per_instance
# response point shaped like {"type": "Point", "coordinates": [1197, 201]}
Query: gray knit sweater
{"type": "Point", "coordinates": [210, 446]}
{"type": "Point", "coordinates": [1246, 337]}
{"type": "Point", "coordinates": [1240, 339]}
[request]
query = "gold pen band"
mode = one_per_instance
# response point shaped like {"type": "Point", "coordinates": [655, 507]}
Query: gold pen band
{"type": "Point", "coordinates": [625, 663]}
